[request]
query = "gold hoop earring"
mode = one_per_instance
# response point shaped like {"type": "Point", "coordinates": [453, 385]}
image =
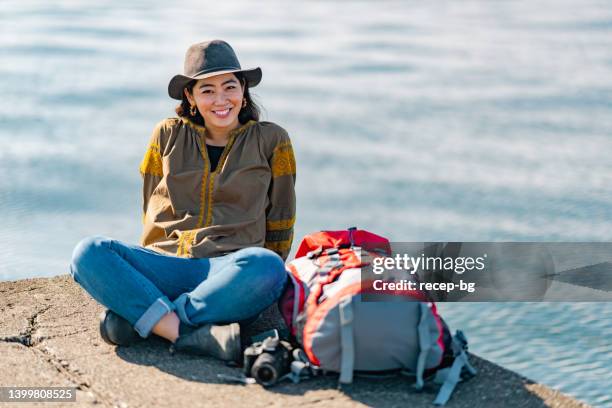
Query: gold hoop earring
{"type": "Point", "coordinates": [244, 102]}
{"type": "Point", "coordinates": [193, 110]}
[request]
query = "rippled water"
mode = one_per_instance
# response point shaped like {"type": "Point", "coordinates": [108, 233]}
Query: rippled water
{"type": "Point", "coordinates": [470, 120]}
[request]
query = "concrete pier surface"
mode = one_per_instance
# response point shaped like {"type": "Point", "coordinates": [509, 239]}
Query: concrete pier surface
{"type": "Point", "coordinates": [49, 338]}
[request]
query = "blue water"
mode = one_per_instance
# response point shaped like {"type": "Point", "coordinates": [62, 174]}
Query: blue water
{"type": "Point", "coordinates": [470, 120]}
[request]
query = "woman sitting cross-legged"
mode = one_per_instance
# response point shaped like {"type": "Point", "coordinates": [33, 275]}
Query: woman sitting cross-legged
{"type": "Point", "coordinates": [219, 210]}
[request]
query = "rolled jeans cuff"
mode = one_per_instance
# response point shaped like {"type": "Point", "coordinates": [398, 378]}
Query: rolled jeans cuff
{"type": "Point", "coordinates": [180, 305]}
{"type": "Point", "coordinates": [161, 307]}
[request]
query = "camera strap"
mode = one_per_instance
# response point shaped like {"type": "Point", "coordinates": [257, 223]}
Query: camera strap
{"type": "Point", "coordinates": [301, 368]}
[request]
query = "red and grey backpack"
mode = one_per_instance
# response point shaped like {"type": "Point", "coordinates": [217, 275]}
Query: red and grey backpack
{"type": "Point", "coordinates": [339, 332]}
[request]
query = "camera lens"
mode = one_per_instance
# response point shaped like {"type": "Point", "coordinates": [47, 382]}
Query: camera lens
{"type": "Point", "coordinates": [266, 375]}
{"type": "Point", "coordinates": [266, 369]}
{"type": "Point", "coordinates": [271, 364]}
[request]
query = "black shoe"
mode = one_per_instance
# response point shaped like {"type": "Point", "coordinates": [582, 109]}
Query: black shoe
{"type": "Point", "coordinates": [222, 342]}
{"type": "Point", "coordinates": [115, 330]}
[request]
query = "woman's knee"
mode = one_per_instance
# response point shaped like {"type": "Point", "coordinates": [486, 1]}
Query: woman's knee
{"type": "Point", "coordinates": [85, 254]}
{"type": "Point", "coordinates": [262, 264]}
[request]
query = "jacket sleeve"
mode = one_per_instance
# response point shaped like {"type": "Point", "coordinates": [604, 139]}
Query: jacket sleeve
{"type": "Point", "coordinates": [280, 214]}
{"type": "Point", "coordinates": [151, 168]}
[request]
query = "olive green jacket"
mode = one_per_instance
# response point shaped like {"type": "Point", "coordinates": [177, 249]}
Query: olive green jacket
{"type": "Point", "coordinates": [249, 200]}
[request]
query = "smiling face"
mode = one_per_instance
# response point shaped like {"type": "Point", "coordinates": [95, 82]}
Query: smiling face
{"type": "Point", "coordinates": [219, 100]}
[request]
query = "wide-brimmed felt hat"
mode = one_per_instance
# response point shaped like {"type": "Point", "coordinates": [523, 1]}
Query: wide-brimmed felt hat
{"type": "Point", "coordinates": [207, 59]}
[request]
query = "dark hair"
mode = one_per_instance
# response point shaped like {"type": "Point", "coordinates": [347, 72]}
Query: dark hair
{"type": "Point", "coordinates": [249, 112]}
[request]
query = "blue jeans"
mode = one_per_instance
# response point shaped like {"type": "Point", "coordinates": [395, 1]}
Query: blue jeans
{"type": "Point", "coordinates": [142, 285]}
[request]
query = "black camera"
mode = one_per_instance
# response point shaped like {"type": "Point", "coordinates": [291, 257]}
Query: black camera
{"type": "Point", "coordinates": [268, 360]}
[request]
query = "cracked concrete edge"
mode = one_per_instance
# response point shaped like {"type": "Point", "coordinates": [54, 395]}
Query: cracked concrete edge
{"type": "Point", "coordinates": [30, 338]}
{"type": "Point", "coordinates": [46, 294]}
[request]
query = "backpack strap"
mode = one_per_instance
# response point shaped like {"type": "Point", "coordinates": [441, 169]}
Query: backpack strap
{"type": "Point", "coordinates": [347, 343]}
{"type": "Point", "coordinates": [333, 262]}
{"type": "Point", "coordinates": [451, 376]}
{"type": "Point", "coordinates": [424, 345]}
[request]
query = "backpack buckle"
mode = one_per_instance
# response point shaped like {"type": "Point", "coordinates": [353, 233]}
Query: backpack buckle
{"type": "Point", "coordinates": [461, 341]}
{"type": "Point", "coordinates": [314, 253]}
{"type": "Point", "coordinates": [351, 230]}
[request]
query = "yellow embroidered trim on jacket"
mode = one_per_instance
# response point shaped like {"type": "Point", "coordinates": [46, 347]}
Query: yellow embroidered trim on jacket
{"type": "Point", "coordinates": [278, 236]}
{"type": "Point", "coordinates": [195, 126]}
{"type": "Point", "coordinates": [152, 162]}
{"type": "Point", "coordinates": [280, 224]}
{"type": "Point", "coordinates": [283, 160]}
{"type": "Point", "coordinates": [185, 242]}
{"type": "Point", "coordinates": [204, 177]}
{"type": "Point", "coordinates": [208, 187]}
{"type": "Point", "coordinates": [279, 246]}
{"type": "Point", "coordinates": [222, 159]}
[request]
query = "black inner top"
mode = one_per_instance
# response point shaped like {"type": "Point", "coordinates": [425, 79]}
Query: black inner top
{"type": "Point", "coordinates": [214, 154]}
